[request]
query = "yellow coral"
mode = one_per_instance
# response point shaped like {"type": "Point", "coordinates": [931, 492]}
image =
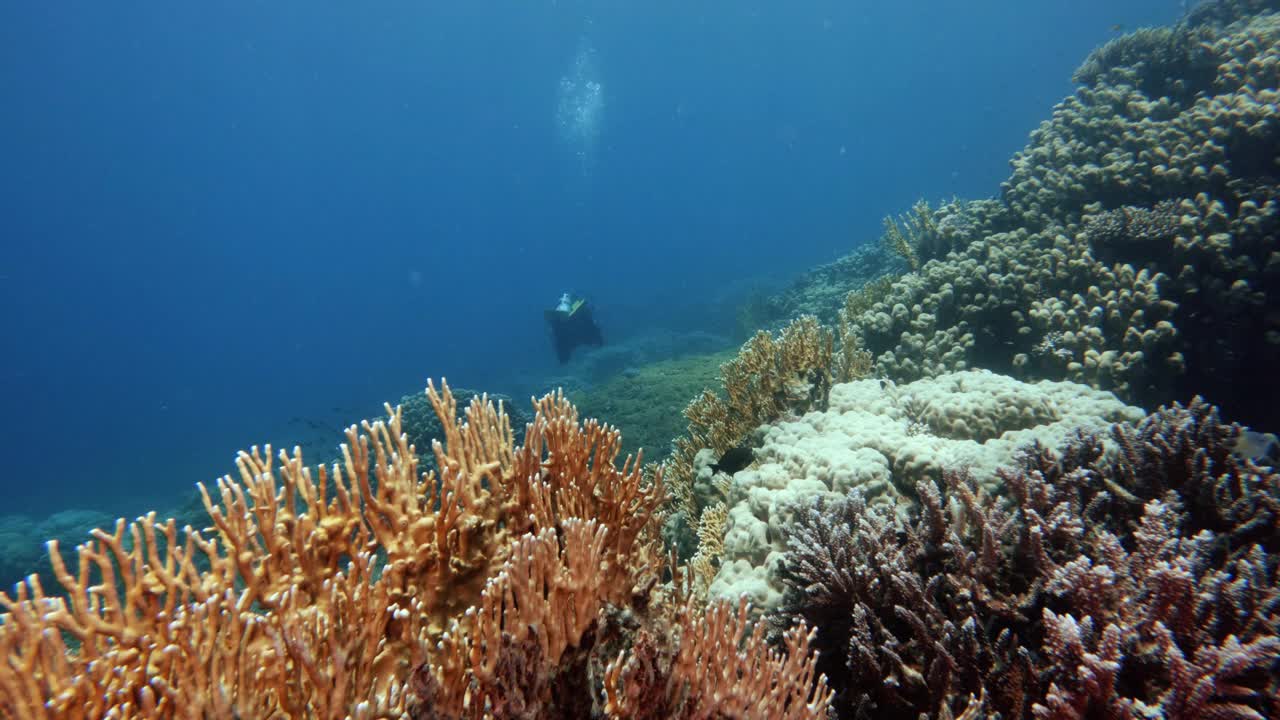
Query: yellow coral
{"type": "Point", "coordinates": [918, 239]}
{"type": "Point", "coordinates": [770, 377]}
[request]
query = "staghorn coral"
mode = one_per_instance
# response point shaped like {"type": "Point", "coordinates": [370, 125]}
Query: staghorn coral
{"type": "Point", "coordinates": [1096, 589]}
{"type": "Point", "coordinates": [499, 586]}
{"type": "Point", "coordinates": [769, 377]}
{"type": "Point", "coordinates": [903, 628]}
{"type": "Point", "coordinates": [502, 659]}
{"type": "Point", "coordinates": [719, 671]}
{"type": "Point", "coordinates": [1190, 452]}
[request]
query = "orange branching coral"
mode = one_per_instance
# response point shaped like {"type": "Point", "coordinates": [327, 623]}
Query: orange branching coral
{"type": "Point", "coordinates": [769, 377]}
{"type": "Point", "coordinates": [719, 671]}
{"type": "Point", "coordinates": [499, 661]}
{"type": "Point", "coordinates": [497, 586]}
{"type": "Point", "coordinates": [316, 594]}
{"type": "Point", "coordinates": [576, 464]}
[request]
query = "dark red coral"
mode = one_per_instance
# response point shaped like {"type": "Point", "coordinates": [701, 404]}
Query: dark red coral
{"type": "Point", "coordinates": [1096, 588]}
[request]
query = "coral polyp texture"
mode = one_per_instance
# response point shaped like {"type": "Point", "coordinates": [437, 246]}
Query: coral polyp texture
{"type": "Point", "coordinates": [499, 585]}
{"type": "Point", "coordinates": [1134, 246]}
{"type": "Point", "coordinates": [1134, 584]}
{"type": "Point", "coordinates": [883, 439]}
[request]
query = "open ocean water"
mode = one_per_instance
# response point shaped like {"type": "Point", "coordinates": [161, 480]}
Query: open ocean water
{"type": "Point", "coordinates": [218, 218]}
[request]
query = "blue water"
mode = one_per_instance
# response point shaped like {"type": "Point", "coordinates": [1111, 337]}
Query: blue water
{"type": "Point", "coordinates": [218, 216]}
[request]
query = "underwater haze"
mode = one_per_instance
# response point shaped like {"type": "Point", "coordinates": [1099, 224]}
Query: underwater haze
{"type": "Point", "coordinates": [219, 217]}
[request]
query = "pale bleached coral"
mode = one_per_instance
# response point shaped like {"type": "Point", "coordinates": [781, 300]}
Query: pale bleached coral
{"type": "Point", "coordinates": [883, 439]}
{"type": "Point", "coordinates": [770, 376]}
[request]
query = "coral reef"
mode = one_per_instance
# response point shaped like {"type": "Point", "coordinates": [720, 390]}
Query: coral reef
{"type": "Point", "coordinates": [821, 290]}
{"type": "Point", "coordinates": [931, 233]}
{"type": "Point", "coordinates": [1135, 250]}
{"type": "Point", "coordinates": [1126, 585]}
{"type": "Point", "coordinates": [883, 440]}
{"type": "Point", "coordinates": [937, 542]}
{"type": "Point", "coordinates": [372, 591]}
{"type": "Point", "coordinates": [646, 404]}
{"type": "Point", "coordinates": [769, 376]}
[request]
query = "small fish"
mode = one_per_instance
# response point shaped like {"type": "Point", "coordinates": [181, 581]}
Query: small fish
{"type": "Point", "coordinates": [1256, 446]}
{"type": "Point", "coordinates": [1117, 28]}
{"type": "Point", "coordinates": [734, 460]}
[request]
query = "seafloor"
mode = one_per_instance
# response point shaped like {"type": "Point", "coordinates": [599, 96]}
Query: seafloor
{"type": "Point", "coordinates": [1013, 461]}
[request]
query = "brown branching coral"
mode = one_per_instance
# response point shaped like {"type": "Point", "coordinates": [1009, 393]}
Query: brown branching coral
{"type": "Point", "coordinates": [770, 376]}
{"type": "Point", "coordinates": [719, 671]}
{"type": "Point", "coordinates": [1100, 588]}
{"type": "Point", "coordinates": [916, 237]}
{"type": "Point", "coordinates": [908, 620]}
{"type": "Point", "coordinates": [1188, 451]}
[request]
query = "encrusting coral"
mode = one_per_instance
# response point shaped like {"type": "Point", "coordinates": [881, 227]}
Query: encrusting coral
{"type": "Point", "coordinates": [373, 591]}
{"type": "Point", "coordinates": [883, 439]}
{"type": "Point", "coordinates": [1127, 586]}
{"type": "Point", "coordinates": [770, 378]}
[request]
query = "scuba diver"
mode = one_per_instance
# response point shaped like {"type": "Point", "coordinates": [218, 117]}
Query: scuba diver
{"type": "Point", "coordinates": [571, 326]}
